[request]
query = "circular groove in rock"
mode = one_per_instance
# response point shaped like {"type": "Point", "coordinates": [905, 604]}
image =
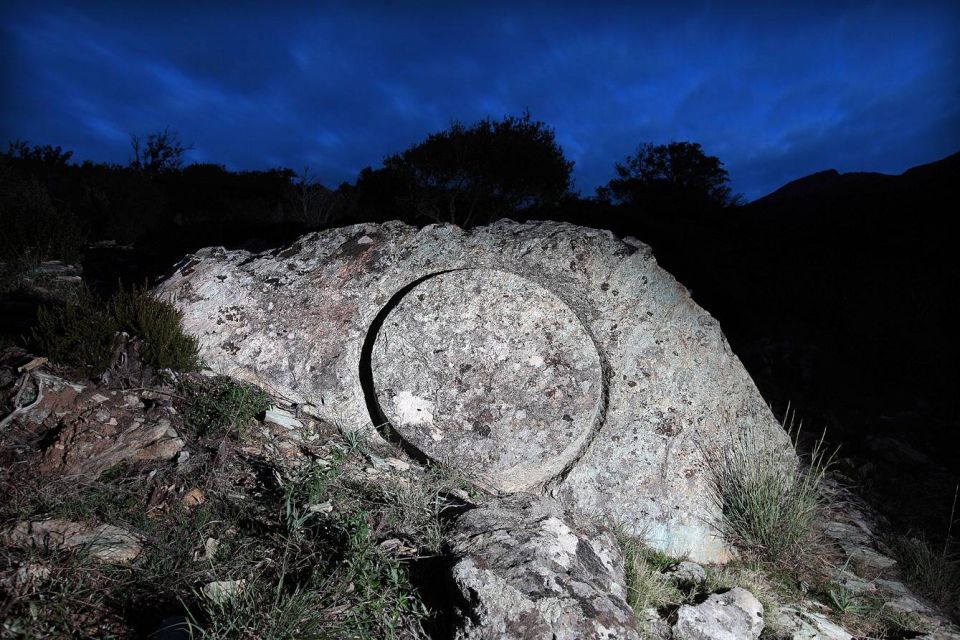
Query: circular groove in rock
{"type": "Point", "coordinates": [490, 373]}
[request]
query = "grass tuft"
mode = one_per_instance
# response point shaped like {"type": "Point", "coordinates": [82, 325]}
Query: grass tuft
{"type": "Point", "coordinates": [935, 574]}
{"type": "Point", "coordinates": [647, 586]}
{"type": "Point", "coordinates": [768, 503]}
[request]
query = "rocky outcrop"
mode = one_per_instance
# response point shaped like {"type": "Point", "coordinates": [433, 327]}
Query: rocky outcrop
{"type": "Point", "coordinates": [541, 357]}
{"type": "Point", "coordinates": [733, 615]}
{"type": "Point", "coordinates": [525, 569]}
{"type": "Point", "coordinates": [104, 542]}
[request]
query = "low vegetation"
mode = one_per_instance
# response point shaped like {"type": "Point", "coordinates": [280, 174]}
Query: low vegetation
{"type": "Point", "coordinates": [767, 503]}
{"type": "Point", "coordinates": [214, 405]}
{"type": "Point", "coordinates": [77, 334]}
{"type": "Point", "coordinates": [647, 585]}
{"type": "Point", "coordinates": [314, 550]}
{"type": "Point", "coordinates": [165, 346]}
{"type": "Point", "coordinates": [82, 333]}
{"type": "Point", "coordinates": [934, 572]}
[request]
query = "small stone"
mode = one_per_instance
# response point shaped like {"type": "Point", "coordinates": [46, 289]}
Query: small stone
{"type": "Point", "coordinates": [734, 615]}
{"type": "Point", "coordinates": [801, 624]}
{"type": "Point", "coordinates": [282, 418]}
{"type": "Point", "coordinates": [35, 363]}
{"type": "Point", "coordinates": [892, 586]}
{"type": "Point", "coordinates": [323, 507]}
{"type": "Point", "coordinates": [855, 583]}
{"type": "Point", "coordinates": [908, 604]}
{"type": "Point", "coordinates": [26, 576]}
{"type": "Point", "coordinates": [688, 573]}
{"type": "Point", "coordinates": [193, 498]}
{"type": "Point", "coordinates": [89, 449]}
{"type": "Point", "coordinates": [222, 591]}
{"type": "Point", "coordinates": [396, 546]}
{"type": "Point", "coordinates": [210, 547]}
{"type": "Point", "coordinates": [398, 464]}
{"type": "Point", "coordinates": [105, 543]}
{"type": "Point", "coordinates": [869, 558]}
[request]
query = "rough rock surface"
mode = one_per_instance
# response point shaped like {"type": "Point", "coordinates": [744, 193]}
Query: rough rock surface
{"type": "Point", "coordinates": [805, 624]}
{"type": "Point", "coordinates": [526, 569]}
{"type": "Point", "coordinates": [105, 542]}
{"type": "Point", "coordinates": [734, 615]}
{"type": "Point", "coordinates": [488, 367]}
{"type": "Point", "coordinates": [543, 356]}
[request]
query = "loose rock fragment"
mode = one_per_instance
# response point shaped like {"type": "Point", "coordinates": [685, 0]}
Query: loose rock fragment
{"type": "Point", "coordinates": [526, 569]}
{"type": "Point", "coordinates": [734, 615]}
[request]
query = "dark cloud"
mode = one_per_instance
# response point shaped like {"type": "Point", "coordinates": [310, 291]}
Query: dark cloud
{"type": "Point", "coordinates": [775, 94]}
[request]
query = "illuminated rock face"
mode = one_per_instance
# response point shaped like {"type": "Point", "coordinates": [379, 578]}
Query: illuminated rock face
{"type": "Point", "coordinates": [541, 357]}
{"type": "Point", "coordinates": [489, 372]}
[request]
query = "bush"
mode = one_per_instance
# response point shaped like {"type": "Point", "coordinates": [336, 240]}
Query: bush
{"type": "Point", "coordinates": [79, 334]}
{"type": "Point", "coordinates": [214, 405]}
{"type": "Point", "coordinates": [160, 324]}
{"type": "Point", "coordinates": [83, 332]}
{"type": "Point", "coordinates": [767, 503]}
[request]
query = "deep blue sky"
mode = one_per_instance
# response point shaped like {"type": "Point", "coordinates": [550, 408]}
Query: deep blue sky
{"type": "Point", "coordinates": [775, 93]}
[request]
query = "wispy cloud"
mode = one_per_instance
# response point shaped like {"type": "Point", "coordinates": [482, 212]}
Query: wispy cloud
{"type": "Point", "coordinates": [776, 95]}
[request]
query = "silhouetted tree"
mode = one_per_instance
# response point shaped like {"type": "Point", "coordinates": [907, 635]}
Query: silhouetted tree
{"type": "Point", "coordinates": [46, 155]}
{"type": "Point", "coordinates": [162, 151]}
{"type": "Point", "coordinates": [471, 175]}
{"type": "Point", "coordinates": [676, 175]}
{"type": "Point", "coordinates": [315, 205]}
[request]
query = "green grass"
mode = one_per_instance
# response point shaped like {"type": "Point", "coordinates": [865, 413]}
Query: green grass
{"type": "Point", "coordinates": [647, 587]}
{"type": "Point", "coordinates": [307, 572]}
{"type": "Point", "coordinates": [216, 405]}
{"type": "Point", "coordinates": [767, 502]}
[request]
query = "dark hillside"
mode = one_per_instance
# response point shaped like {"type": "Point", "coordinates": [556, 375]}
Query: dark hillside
{"type": "Point", "coordinates": [839, 293]}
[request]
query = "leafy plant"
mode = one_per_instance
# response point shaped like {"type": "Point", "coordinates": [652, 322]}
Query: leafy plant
{"type": "Point", "coordinates": [216, 404]}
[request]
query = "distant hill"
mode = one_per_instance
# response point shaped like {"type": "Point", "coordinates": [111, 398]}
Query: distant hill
{"type": "Point", "coordinates": [840, 293]}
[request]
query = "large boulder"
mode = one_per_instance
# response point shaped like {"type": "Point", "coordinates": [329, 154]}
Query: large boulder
{"type": "Point", "coordinates": [524, 568]}
{"type": "Point", "coordinates": [539, 357]}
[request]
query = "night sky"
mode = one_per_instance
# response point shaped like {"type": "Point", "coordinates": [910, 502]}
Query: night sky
{"type": "Point", "coordinates": [775, 93]}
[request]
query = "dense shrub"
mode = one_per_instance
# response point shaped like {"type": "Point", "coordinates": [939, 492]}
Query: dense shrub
{"type": "Point", "coordinates": [160, 324]}
{"type": "Point", "coordinates": [79, 334]}
{"type": "Point", "coordinates": [83, 332]}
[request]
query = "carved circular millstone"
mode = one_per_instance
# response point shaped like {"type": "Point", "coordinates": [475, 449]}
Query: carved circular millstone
{"type": "Point", "coordinates": [490, 373]}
